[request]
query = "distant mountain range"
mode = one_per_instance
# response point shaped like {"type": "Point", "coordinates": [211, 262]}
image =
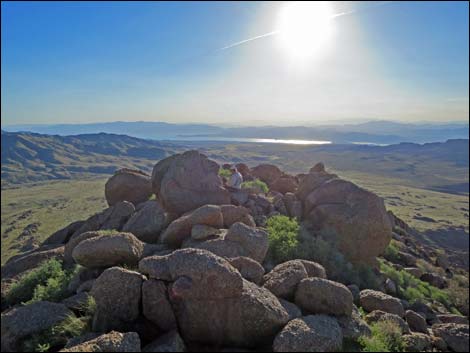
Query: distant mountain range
{"type": "Point", "coordinates": [29, 157]}
{"type": "Point", "coordinates": [374, 132]}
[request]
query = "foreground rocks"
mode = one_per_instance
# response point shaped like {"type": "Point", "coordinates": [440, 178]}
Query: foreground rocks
{"type": "Point", "coordinates": [314, 333]}
{"type": "Point", "coordinates": [189, 270]}
{"type": "Point", "coordinates": [110, 342]}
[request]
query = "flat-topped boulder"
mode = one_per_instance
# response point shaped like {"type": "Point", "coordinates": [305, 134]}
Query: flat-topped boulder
{"type": "Point", "coordinates": [128, 185]}
{"type": "Point", "coordinates": [187, 181]}
{"type": "Point", "coordinates": [372, 300]}
{"type": "Point", "coordinates": [321, 296]}
{"type": "Point", "coordinates": [107, 250]}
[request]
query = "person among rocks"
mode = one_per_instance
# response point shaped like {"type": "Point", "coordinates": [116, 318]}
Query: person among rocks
{"type": "Point", "coordinates": [236, 179]}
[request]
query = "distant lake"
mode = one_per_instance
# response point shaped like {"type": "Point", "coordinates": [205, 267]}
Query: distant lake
{"type": "Point", "coordinates": [252, 140]}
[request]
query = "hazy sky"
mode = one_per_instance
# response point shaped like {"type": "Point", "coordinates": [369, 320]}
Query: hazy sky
{"type": "Point", "coordinates": [90, 62]}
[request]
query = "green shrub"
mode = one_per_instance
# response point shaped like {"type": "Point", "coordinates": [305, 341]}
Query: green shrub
{"type": "Point", "coordinates": [283, 238]}
{"type": "Point", "coordinates": [49, 281]}
{"type": "Point", "coordinates": [226, 173]}
{"type": "Point", "coordinates": [386, 337]}
{"type": "Point", "coordinates": [256, 184]}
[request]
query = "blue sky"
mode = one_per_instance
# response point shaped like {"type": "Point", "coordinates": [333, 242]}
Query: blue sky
{"type": "Point", "coordinates": [103, 61]}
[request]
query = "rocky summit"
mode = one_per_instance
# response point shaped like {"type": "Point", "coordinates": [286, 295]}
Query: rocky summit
{"type": "Point", "coordinates": [181, 262]}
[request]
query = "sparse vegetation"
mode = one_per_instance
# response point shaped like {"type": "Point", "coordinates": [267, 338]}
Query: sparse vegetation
{"type": "Point", "coordinates": [226, 173]}
{"type": "Point", "coordinates": [258, 185]}
{"type": "Point", "coordinates": [47, 282]}
{"type": "Point", "coordinates": [413, 289]}
{"type": "Point", "coordinates": [386, 337]}
{"type": "Point", "coordinates": [283, 238]}
{"type": "Point", "coordinates": [57, 335]}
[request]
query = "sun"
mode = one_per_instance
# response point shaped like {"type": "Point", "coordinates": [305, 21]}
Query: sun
{"type": "Point", "coordinates": [305, 27]}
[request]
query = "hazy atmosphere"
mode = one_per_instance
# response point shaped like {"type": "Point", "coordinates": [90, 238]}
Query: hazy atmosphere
{"type": "Point", "coordinates": [235, 176]}
{"type": "Point", "coordinates": [191, 62]}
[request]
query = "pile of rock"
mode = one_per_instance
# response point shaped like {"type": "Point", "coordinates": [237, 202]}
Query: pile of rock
{"type": "Point", "coordinates": [187, 270]}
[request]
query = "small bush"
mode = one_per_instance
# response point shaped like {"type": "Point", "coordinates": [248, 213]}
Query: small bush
{"type": "Point", "coordinates": [337, 267]}
{"type": "Point", "coordinates": [391, 252]}
{"type": "Point", "coordinates": [386, 337]}
{"type": "Point", "coordinates": [256, 184]}
{"type": "Point", "coordinates": [283, 238]}
{"type": "Point", "coordinates": [226, 173]}
{"type": "Point", "coordinates": [47, 282]}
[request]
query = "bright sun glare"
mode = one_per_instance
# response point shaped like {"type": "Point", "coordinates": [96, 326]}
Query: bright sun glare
{"type": "Point", "coordinates": [305, 27]}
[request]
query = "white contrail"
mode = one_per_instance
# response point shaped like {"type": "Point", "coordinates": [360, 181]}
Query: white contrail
{"type": "Point", "coordinates": [236, 44]}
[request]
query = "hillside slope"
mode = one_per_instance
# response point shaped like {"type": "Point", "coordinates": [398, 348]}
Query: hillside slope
{"type": "Point", "coordinates": [28, 157]}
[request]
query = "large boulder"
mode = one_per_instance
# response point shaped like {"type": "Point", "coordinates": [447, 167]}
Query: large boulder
{"type": "Point", "coordinates": [372, 300]}
{"type": "Point", "coordinates": [417, 322]}
{"type": "Point", "coordinates": [156, 306]}
{"type": "Point", "coordinates": [117, 293]}
{"type": "Point", "coordinates": [23, 321]}
{"type": "Point", "coordinates": [322, 296]}
{"type": "Point", "coordinates": [250, 319]}
{"type": "Point", "coordinates": [455, 335]}
{"type": "Point", "coordinates": [180, 228]}
{"type": "Point", "coordinates": [148, 222]}
{"type": "Point", "coordinates": [187, 181]}
{"type": "Point", "coordinates": [284, 184]}
{"type": "Point", "coordinates": [128, 185]}
{"type": "Point", "coordinates": [212, 302]}
{"type": "Point", "coordinates": [108, 250]}
{"type": "Point", "coordinates": [313, 333]}
{"type": "Point", "coordinates": [109, 342]}
{"type": "Point", "coordinates": [352, 218]}
{"type": "Point", "coordinates": [252, 239]}
{"type": "Point", "coordinates": [266, 172]}
{"type": "Point", "coordinates": [282, 281]}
